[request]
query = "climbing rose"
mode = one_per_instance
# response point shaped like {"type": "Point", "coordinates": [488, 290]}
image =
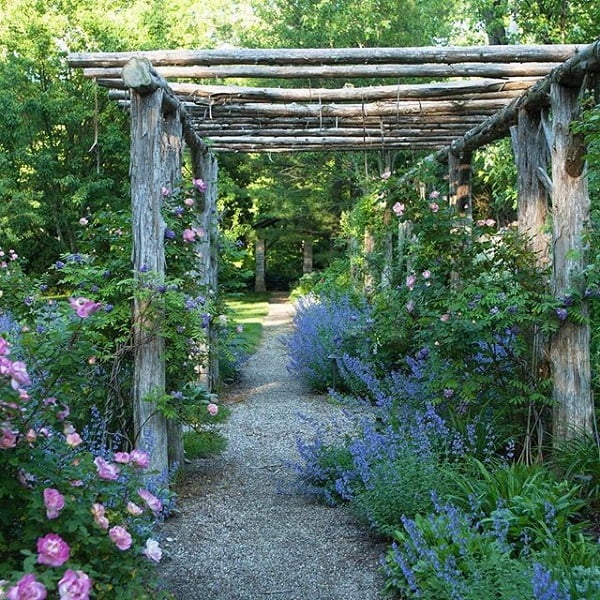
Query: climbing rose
{"type": "Point", "coordinates": [434, 206]}
{"type": "Point", "coordinates": [122, 457]}
{"type": "Point", "coordinates": [74, 585]}
{"type": "Point", "coordinates": [150, 499]}
{"type": "Point", "coordinates": [140, 458]}
{"type": "Point", "coordinates": [8, 438]}
{"type": "Point", "coordinates": [426, 274]}
{"type": "Point", "coordinates": [434, 195]}
{"type": "Point", "coordinates": [121, 537]}
{"type": "Point", "coordinates": [212, 408]}
{"type": "Point", "coordinates": [189, 235]}
{"type": "Point", "coordinates": [445, 317]}
{"type": "Point", "coordinates": [105, 469]}
{"type": "Point", "coordinates": [398, 209]}
{"type": "Point", "coordinates": [83, 221]}
{"type": "Point", "coordinates": [27, 588]}
{"type": "Point", "coordinates": [84, 307]}
{"type": "Point", "coordinates": [100, 519]}
{"type": "Point", "coordinates": [17, 371]}
{"type": "Point", "coordinates": [410, 281]}
{"type": "Point", "coordinates": [189, 202]}
{"type": "Point", "coordinates": [52, 550]}
{"type": "Point", "coordinates": [152, 550]}
{"type": "Point", "coordinates": [54, 502]}
{"type": "Point", "coordinates": [134, 509]}
{"type": "Point", "coordinates": [199, 184]}
{"type": "Point", "coordinates": [73, 439]}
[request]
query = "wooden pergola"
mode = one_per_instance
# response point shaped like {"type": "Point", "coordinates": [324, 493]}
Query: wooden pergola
{"type": "Point", "coordinates": [464, 98]}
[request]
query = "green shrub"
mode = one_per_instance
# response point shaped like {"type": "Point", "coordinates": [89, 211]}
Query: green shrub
{"type": "Point", "coordinates": [203, 444]}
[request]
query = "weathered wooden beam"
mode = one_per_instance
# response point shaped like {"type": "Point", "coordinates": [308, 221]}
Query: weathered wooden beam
{"type": "Point", "coordinates": [308, 56]}
{"type": "Point", "coordinates": [570, 345]}
{"type": "Point", "coordinates": [570, 73]}
{"type": "Point", "coordinates": [150, 427]}
{"type": "Point", "coordinates": [538, 69]}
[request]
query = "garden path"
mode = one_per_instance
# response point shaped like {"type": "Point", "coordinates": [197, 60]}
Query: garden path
{"type": "Point", "coordinates": [237, 535]}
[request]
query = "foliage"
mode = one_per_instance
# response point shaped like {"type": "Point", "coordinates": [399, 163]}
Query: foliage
{"type": "Point", "coordinates": [203, 444]}
{"type": "Point", "coordinates": [87, 511]}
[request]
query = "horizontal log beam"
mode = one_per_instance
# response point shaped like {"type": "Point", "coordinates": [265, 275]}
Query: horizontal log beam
{"type": "Point", "coordinates": [538, 69]}
{"type": "Point", "coordinates": [324, 147]}
{"type": "Point", "coordinates": [311, 56]}
{"type": "Point", "coordinates": [413, 132]}
{"type": "Point", "coordinates": [570, 73]}
{"type": "Point", "coordinates": [424, 140]}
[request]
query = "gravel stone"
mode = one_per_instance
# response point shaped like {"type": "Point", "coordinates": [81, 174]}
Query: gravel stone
{"type": "Point", "coordinates": [238, 533]}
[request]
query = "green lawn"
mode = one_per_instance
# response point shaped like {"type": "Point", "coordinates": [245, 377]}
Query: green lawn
{"type": "Point", "coordinates": [249, 310]}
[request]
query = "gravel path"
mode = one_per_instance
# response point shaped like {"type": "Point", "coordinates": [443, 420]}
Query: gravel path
{"type": "Point", "coordinates": [237, 537]}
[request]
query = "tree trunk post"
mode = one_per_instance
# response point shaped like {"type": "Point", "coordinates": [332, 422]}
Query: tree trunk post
{"type": "Point", "coordinates": [570, 345]}
{"type": "Point", "coordinates": [171, 149]}
{"type": "Point", "coordinates": [460, 179]}
{"type": "Point", "coordinates": [205, 167]}
{"type": "Point", "coordinates": [307, 252]}
{"type": "Point", "coordinates": [259, 257]}
{"type": "Point", "coordinates": [150, 427]}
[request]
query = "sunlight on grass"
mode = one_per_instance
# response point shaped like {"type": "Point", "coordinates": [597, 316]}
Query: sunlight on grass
{"type": "Point", "coordinates": [249, 311]}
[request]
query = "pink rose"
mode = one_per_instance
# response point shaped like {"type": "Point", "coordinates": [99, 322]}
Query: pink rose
{"type": "Point", "coordinates": [61, 415]}
{"type": "Point", "coordinates": [84, 307]}
{"type": "Point", "coordinates": [152, 550]}
{"type": "Point", "coordinates": [73, 439]}
{"type": "Point", "coordinates": [121, 537]}
{"type": "Point", "coordinates": [410, 306]}
{"type": "Point", "coordinates": [31, 436]}
{"type": "Point", "coordinates": [410, 281]}
{"type": "Point", "coordinates": [52, 550]}
{"type": "Point", "coordinates": [398, 209]}
{"type": "Point", "coordinates": [199, 184]}
{"type": "Point", "coordinates": [150, 499]}
{"type": "Point", "coordinates": [445, 317]}
{"type": "Point", "coordinates": [213, 409]}
{"type": "Point", "coordinates": [189, 235]}
{"type": "Point", "coordinates": [4, 347]}
{"type": "Point", "coordinates": [99, 511]}
{"type": "Point", "coordinates": [434, 206]}
{"type": "Point", "coordinates": [134, 509]}
{"type": "Point", "coordinates": [17, 371]}
{"type": "Point", "coordinates": [8, 438]}
{"type": "Point", "coordinates": [434, 195]}
{"type": "Point", "coordinates": [426, 274]}
{"type": "Point", "coordinates": [27, 588]}
{"type": "Point", "coordinates": [74, 585]}
{"type": "Point", "coordinates": [54, 502]}
{"type": "Point", "coordinates": [189, 202]}
{"type": "Point", "coordinates": [105, 469]}
{"type": "Point", "coordinates": [122, 457]}
{"type": "Point", "coordinates": [83, 221]}
{"type": "Point", "coordinates": [140, 458]}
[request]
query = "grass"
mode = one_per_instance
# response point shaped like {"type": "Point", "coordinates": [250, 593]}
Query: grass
{"type": "Point", "coordinates": [249, 310]}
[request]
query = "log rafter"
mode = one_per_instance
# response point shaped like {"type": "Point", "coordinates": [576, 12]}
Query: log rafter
{"type": "Point", "coordinates": [477, 100]}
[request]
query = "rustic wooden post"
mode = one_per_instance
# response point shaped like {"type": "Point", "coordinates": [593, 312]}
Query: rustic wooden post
{"type": "Point", "coordinates": [259, 258]}
{"type": "Point", "coordinates": [368, 251]}
{"type": "Point", "coordinates": [205, 167]}
{"type": "Point", "coordinates": [570, 345]}
{"type": "Point", "coordinates": [387, 271]}
{"type": "Point", "coordinates": [460, 176]}
{"type": "Point", "coordinates": [307, 252]}
{"type": "Point", "coordinates": [171, 149]}
{"type": "Point", "coordinates": [533, 184]}
{"type": "Point", "coordinates": [146, 173]}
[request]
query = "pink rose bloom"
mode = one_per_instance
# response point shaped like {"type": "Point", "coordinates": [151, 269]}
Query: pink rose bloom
{"type": "Point", "coordinates": [99, 511]}
{"type": "Point", "coordinates": [121, 537]}
{"type": "Point", "coordinates": [199, 184]}
{"type": "Point", "coordinates": [27, 588]}
{"type": "Point", "coordinates": [18, 374]}
{"type": "Point", "coordinates": [74, 585]}
{"type": "Point", "coordinates": [52, 550]}
{"type": "Point", "coordinates": [83, 221]}
{"type": "Point", "coordinates": [84, 307]}
{"type": "Point", "coordinates": [152, 550]}
{"type": "Point", "coordinates": [410, 281]}
{"type": "Point", "coordinates": [398, 209]}
{"type": "Point", "coordinates": [445, 317]}
{"type": "Point", "coordinates": [189, 202]}
{"type": "Point", "coordinates": [31, 435]}
{"type": "Point", "coordinates": [426, 274]}
{"type": "Point", "coordinates": [4, 347]}
{"type": "Point", "coordinates": [73, 439]}
{"type": "Point", "coordinates": [105, 469]}
{"type": "Point", "coordinates": [434, 206]}
{"type": "Point", "coordinates": [134, 509]}
{"type": "Point", "coordinates": [54, 502]}
{"type": "Point", "coordinates": [122, 457]}
{"type": "Point", "coordinates": [8, 438]}
{"type": "Point", "coordinates": [434, 195]}
{"type": "Point", "coordinates": [165, 191]}
{"type": "Point", "coordinates": [212, 408]}
{"type": "Point", "coordinates": [140, 458]}
{"type": "Point", "coordinates": [189, 235]}
{"type": "Point", "coordinates": [410, 306]}
{"type": "Point", "coordinates": [150, 499]}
